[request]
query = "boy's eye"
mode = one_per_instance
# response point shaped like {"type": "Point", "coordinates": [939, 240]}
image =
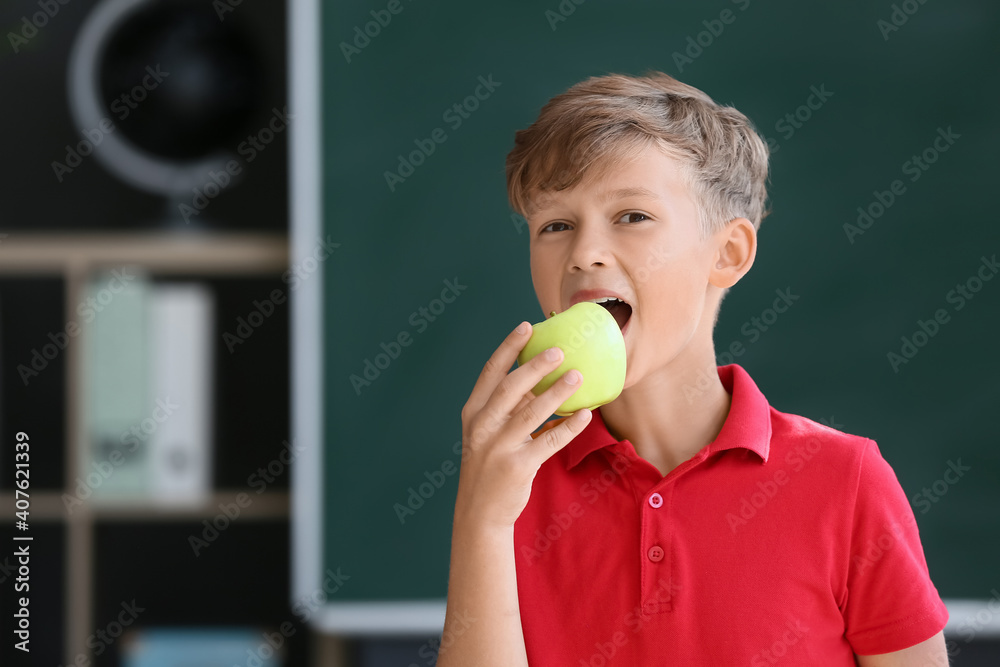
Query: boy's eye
{"type": "Point", "coordinates": [549, 227]}
{"type": "Point", "coordinates": [633, 217]}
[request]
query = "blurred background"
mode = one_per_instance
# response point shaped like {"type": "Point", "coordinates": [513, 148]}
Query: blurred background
{"type": "Point", "coordinates": [254, 253]}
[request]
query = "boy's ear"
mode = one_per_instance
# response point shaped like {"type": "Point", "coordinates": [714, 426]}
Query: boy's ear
{"type": "Point", "coordinates": [735, 249]}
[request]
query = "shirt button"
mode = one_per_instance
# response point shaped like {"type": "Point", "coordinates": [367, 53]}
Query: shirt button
{"type": "Point", "coordinates": [655, 554]}
{"type": "Point", "coordinates": [656, 500]}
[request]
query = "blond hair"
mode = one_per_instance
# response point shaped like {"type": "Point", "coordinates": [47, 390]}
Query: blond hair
{"type": "Point", "coordinates": [604, 121]}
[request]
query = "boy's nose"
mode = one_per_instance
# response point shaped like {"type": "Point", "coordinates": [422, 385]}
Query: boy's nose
{"type": "Point", "coordinates": [590, 249]}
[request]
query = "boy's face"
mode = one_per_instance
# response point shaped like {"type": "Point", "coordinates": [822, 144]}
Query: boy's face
{"type": "Point", "coordinates": [634, 234]}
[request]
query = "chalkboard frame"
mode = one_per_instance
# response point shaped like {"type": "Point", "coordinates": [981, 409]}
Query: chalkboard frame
{"type": "Point", "coordinates": [403, 616]}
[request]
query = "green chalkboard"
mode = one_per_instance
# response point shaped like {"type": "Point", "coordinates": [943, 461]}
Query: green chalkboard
{"type": "Point", "coordinates": [432, 268]}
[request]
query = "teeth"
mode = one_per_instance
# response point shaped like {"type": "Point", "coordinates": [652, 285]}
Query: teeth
{"type": "Point", "coordinates": [605, 298]}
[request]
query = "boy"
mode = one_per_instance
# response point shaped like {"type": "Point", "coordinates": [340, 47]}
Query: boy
{"type": "Point", "coordinates": [687, 522]}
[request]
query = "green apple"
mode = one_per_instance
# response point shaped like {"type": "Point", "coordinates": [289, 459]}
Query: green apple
{"type": "Point", "coordinates": [592, 343]}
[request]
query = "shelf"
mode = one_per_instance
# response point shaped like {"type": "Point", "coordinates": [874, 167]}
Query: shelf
{"type": "Point", "coordinates": [48, 506]}
{"type": "Point", "coordinates": [196, 252]}
{"type": "Point", "coordinates": [74, 257]}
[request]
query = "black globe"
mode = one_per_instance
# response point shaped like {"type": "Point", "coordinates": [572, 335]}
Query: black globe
{"type": "Point", "coordinates": [178, 81]}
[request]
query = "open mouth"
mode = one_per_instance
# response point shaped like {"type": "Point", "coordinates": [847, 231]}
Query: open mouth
{"type": "Point", "coordinates": [620, 310]}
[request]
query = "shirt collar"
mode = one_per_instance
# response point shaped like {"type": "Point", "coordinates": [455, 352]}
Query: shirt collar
{"type": "Point", "coordinates": [748, 424]}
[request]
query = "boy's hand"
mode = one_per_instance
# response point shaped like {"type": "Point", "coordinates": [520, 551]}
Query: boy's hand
{"type": "Point", "coordinates": [499, 456]}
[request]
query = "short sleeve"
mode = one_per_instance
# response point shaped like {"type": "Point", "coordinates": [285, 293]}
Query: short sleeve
{"type": "Point", "coordinates": [891, 602]}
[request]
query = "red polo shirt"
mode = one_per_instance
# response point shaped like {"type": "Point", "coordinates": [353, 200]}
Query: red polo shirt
{"type": "Point", "coordinates": [783, 541]}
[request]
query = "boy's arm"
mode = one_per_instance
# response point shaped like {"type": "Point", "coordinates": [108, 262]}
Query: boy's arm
{"type": "Point", "coordinates": [483, 623]}
{"type": "Point", "coordinates": [499, 461]}
{"type": "Point", "coordinates": [930, 653]}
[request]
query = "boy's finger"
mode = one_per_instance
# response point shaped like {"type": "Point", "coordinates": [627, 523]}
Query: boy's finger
{"type": "Point", "coordinates": [525, 421]}
{"type": "Point", "coordinates": [527, 398]}
{"type": "Point", "coordinates": [502, 404]}
{"type": "Point", "coordinates": [547, 444]}
{"type": "Point", "coordinates": [497, 366]}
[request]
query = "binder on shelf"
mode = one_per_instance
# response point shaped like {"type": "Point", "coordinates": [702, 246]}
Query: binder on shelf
{"type": "Point", "coordinates": [115, 374]}
{"type": "Point", "coordinates": [181, 387]}
{"type": "Point", "coordinates": [147, 399]}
